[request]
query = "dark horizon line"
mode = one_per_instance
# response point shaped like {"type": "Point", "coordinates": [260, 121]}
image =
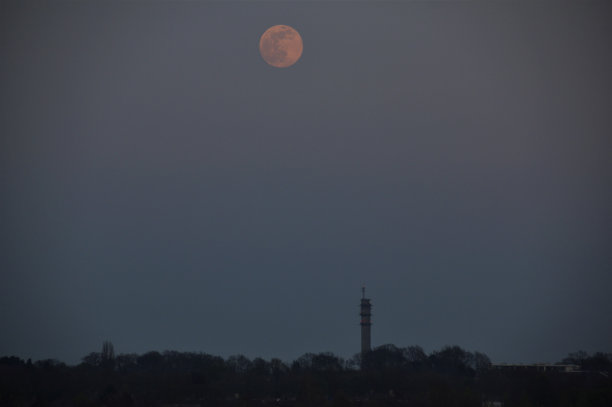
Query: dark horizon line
{"type": "Point", "coordinates": [356, 355]}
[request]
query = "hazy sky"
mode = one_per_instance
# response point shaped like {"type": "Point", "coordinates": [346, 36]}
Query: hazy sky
{"type": "Point", "coordinates": [162, 187]}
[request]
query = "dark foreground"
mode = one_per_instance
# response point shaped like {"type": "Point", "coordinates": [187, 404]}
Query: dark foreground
{"type": "Point", "coordinates": [388, 376]}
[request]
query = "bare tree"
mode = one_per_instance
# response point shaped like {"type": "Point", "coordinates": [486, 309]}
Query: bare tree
{"type": "Point", "coordinates": [108, 354]}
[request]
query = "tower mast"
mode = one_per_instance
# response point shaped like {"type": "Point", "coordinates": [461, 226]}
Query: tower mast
{"type": "Point", "coordinates": [366, 323]}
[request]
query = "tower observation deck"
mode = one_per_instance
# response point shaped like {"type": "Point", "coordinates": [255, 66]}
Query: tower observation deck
{"type": "Point", "coordinates": [366, 323]}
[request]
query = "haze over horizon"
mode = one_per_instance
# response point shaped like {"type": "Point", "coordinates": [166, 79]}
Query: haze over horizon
{"type": "Point", "coordinates": [164, 188]}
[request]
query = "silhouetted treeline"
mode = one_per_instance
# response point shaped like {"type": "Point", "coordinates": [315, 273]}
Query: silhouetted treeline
{"type": "Point", "coordinates": [387, 376]}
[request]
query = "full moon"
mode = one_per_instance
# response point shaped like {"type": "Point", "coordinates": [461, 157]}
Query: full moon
{"type": "Point", "coordinates": [281, 46]}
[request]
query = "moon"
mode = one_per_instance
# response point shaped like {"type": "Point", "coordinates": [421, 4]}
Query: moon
{"type": "Point", "coordinates": [281, 46]}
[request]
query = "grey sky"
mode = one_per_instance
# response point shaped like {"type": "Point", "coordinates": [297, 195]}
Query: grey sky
{"type": "Point", "coordinates": [164, 188]}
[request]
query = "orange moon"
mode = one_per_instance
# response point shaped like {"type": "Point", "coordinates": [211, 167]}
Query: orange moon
{"type": "Point", "coordinates": [281, 46]}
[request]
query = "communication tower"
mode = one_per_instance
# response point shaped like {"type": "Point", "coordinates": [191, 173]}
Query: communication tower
{"type": "Point", "coordinates": [366, 323]}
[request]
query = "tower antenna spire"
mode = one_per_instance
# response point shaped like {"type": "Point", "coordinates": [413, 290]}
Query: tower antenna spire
{"type": "Point", "coordinates": [363, 291]}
